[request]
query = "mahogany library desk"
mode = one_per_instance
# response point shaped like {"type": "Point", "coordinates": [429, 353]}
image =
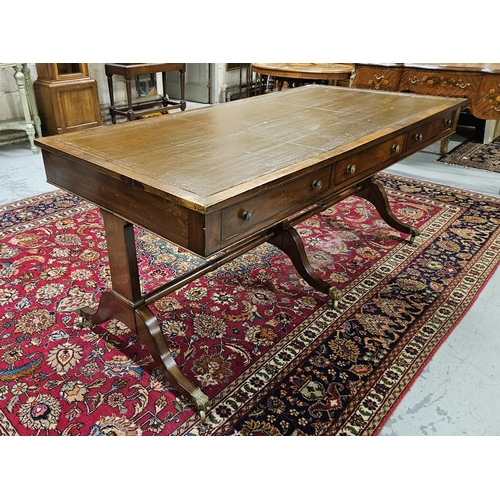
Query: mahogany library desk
{"type": "Point", "coordinates": [222, 180]}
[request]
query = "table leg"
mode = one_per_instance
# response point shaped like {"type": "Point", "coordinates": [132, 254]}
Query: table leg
{"type": "Point", "coordinates": [126, 303]}
{"type": "Point", "coordinates": [182, 77]}
{"type": "Point", "coordinates": [21, 84]}
{"type": "Point", "coordinates": [443, 146]}
{"type": "Point", "coordinates": [32, 101]}
{"type": "Point", "coordinates": [149, 332]}
{"type": "Point", "coordinates": [290, 242]}
{"type": "Point", "coordinates": [111, 97]}
{"type": "Point", "coordinates": [375, 193]}
{"type": "Point", "coordinates": [165, 98]}
{"type": "Point", "coordinates": [130, 110]}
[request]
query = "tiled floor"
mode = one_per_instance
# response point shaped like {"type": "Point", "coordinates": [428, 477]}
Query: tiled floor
{"type": "Point", "coordinates": [458, 393]}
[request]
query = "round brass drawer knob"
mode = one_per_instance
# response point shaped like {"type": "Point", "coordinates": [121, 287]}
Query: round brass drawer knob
{"type": "Point", "coordinates": [317, 185]}
{"type": "Point", "coordinates": [396, 148]}
{"type": "Point", "coordinates": [351, 168]}
{"type": "Point", "coordinates": [418, 137]}
{"type": "Point", "coordinates": [447, 122]}
{"type": "Point", "coordinates": [247, 216]}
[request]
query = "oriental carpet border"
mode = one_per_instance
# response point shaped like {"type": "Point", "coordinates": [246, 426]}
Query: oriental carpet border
{"type": "Point", "coordinates": [368, 410]}
{"type": "Point", "coordinates": [302, 368]}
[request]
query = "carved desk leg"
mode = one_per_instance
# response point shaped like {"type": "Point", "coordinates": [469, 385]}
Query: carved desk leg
{"type": "Point", "coordinates": [290, 242]}
{"type": "Point", "coordinates": [375, 193]}
{"type": "Point", "coordinates": [126, 304]}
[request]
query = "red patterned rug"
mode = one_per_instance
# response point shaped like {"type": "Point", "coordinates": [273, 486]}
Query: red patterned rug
{"type": "Point", "coordinates": [269, 351]}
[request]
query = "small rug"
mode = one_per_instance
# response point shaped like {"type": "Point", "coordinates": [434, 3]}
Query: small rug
{"type": "Point", "coordinates": [474, 154]}
{"type": "Point", "coordinates": [270, 352]}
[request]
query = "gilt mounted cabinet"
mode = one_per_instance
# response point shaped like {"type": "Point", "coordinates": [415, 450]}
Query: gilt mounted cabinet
{"type": "Point", "coordinates": [479, 83]}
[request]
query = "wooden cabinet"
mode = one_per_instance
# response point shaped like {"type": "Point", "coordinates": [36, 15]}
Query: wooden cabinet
{"type": "Point", "coordinates": [67, 97]}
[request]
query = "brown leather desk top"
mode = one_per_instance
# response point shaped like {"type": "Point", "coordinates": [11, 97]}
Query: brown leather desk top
{"type": "Point", "coordinates": [209, 154]}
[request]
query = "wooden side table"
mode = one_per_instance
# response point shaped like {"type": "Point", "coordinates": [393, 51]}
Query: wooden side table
{"type": "Point", "coordinates": [129, 70]}
{"type": "Point", "coordinates": [31, 122]}
{"type": "Point", "coordinates": [331, 72]}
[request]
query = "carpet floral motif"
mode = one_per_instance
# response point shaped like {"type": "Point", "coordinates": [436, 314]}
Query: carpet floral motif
{"type": "Point", "coordinates": [270, 352]}
{"type": "Point", "coordinates": [475, 154]}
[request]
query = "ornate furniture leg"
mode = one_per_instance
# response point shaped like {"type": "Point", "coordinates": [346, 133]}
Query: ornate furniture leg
{"type": "Point", "coordinates": [125, 303]}
{"type": "Point", "coordinates": [20, 78]}
{"type": "Point", "coordinates": [375, 193]}
{"type": "Point", "coordinates": [149, 331]}
{"type": "Point", "coordinates": [30, 94]}
{"type": "Point", "coordinates": [290, 242]}
{"type": "Point", "coordinates": [443, 146]}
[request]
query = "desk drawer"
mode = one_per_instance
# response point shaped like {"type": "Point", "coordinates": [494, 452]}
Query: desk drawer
{"type": "Point", "coordinates": [377, 78]}
{"type": "Point", "coordinates": [277, 202]}
{"type": "Point", "coordinates": [419, 135]}
{"type": "Point", "coordinates": [362, 163]}
{"type": "Point", "coordinates": [487, 106]}
{"type": "Point", "coordinates": [447, 84]}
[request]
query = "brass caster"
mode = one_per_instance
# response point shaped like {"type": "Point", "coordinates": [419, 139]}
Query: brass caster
{"type": "Point", "coordinates": [200, 399]}
{"type": "Point", "coordinates": [335, 295]}
{"type": "Point", "coordinates": [79, 322]}
{"type": "Point", "coordinates": [413, 233]}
